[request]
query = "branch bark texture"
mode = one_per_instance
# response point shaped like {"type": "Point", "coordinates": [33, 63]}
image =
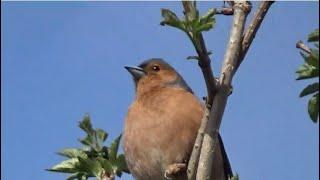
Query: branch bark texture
{"type": "Point", "coordinates": [194, 158]}
{"type": "Point", "coordinates": [204, 62]}
{"type": "Point", "coordinates": [202, 157]}
{"type": "Point", "coordinates": [253, 28]}
{"type": "Point", "coordinates": [303, 47]}
{"type": "Point", "coordinates": [241, 10]}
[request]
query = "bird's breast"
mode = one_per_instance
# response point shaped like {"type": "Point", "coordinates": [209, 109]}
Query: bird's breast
{"type": "Point", "coordinates": [160, 129]}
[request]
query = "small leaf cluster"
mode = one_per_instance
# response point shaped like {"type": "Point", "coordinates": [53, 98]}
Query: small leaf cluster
{"type": "Point", "coordinates": [310, 70]}
{"type": "Point", "coordinates": [94, 159]}
{"type": "Point", "coordinates": [192, 24]}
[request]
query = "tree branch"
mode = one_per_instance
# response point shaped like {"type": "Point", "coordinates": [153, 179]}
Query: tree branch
{"type": "Point", "coordinates": [303, 47]}
{"type": "Point", "coordinates": [253, 28]}
{"type": "Point", "coordinates": [241, 10]}
{"type": "Point", "coordinates": [204, 62]}
{"type": "Point", "coordinates": [228, 11]}
{"type": "Point", "coordinates": [218, 92]}
{"type": "Point", "coordinates": [194, 158]}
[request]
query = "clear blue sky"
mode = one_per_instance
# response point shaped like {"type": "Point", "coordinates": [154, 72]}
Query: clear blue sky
{"type": "Point", "coordinates": [61, 60]}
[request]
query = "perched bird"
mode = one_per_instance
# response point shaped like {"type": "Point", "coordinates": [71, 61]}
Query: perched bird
{"type": "Point", "coordinates": [162, 124]}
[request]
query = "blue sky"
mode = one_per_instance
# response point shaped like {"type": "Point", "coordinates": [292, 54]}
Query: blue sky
{"type": "Point", "coordinates": [61, 60]}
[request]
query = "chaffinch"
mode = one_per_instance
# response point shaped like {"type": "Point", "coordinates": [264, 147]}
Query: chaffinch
{"type": "Point", "coordinates": [162, 124]}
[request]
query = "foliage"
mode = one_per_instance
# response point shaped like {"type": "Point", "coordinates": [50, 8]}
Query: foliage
{"type": "Point", "coordinates": [308, 70]}
{"type": "Point", "coordinates": [94, 159]}
{"type": "Point", "coordinates": [235, 177]}
{"type": "Point", "coordinates": [192, 24]}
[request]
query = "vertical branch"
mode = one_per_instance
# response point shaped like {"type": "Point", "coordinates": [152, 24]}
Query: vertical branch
{"type": "Point", "coordinates": [241, 10]}
{"type": "Point", "coordinates": [204, 62]}
{"type": "Point", "coordinates": [218, 92]}
{"type": "Point", "coordinates": [253, 28]}
{"type": "Point", "coordinates": [194, 158]}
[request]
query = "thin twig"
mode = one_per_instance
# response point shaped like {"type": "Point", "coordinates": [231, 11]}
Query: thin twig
{"type": "Point", "coordinates": [241, 10]}
{"type": "Point", "coordinates": [303, 47]}
{"type": "Point", "coordinates": [228, 11]}
{"type": "Point", "coordinates": [253, 28]}
{"type": "Point", "coordinates": [204, 62]}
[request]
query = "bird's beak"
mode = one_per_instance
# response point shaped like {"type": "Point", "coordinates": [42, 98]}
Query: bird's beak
{"type": "Point", "coordinates": [136, 72]}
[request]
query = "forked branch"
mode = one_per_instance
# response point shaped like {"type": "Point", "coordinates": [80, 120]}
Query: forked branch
{"type": "Point", "coordinates": [241, 10]}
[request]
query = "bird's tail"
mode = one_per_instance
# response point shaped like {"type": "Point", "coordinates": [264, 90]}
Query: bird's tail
{"type": "Point", "coordinates": [226, 162]}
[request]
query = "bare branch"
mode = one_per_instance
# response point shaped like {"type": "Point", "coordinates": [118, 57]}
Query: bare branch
{"type": "Point", "coordinates": [253, 28]}
{"type": "Point", "coordinates": [303, 47]}
{"type": "Point", "coordinates": [241, 10]}
{"type": "Point", "coordinates": [194, 158]}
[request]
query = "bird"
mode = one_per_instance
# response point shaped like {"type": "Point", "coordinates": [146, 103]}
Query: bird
{"type": "Point", "coordinates": [161, 124]}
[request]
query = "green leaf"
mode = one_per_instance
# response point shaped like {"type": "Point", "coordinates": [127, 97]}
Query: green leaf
{"type": "Point", "coordinates": [107, 166]}
{"type": "Point", "coordinates": [206, 22]}
{"type": "Point", "coordinates": [192, 25]}
{"type": "Point", "coordinates": [94, 138]}
{"type": "Point", "coordinates": [204, 27]}
{"type": "Point", "coordinates": [169, 15]}
{"type": "Point", "coordinates": [85, 125]}
{"type": "Point", "coordinates": [78, 176]}
{"type": "Point", "coordinates": [88, 141]}
{"type": "Point", "coordinates": [171, 19]}
{"type": "Point", "coordinates": [193, 58]}
{"type": "Point", "coordinates": [312, 88]}
{"type": "Point", "coordinates": [209, 53]}
{"type": "Point", "coordinates": [67, 166]}
{"type": "Point", "coordinates": [307, 71]}
{"type": "Point", "coordinates": [105, 152]}
{"type": "Point", "coordinates": [315, 55]}
{"type": "Point", "coordinates": [235, 177]}
{"type": "Point", "coordinates": [113, 150]}
{"type": "Point", "coordinates": [312, 59]}
{"type": "Point", "coordinates": [122, 164]}
{"type": "Point", "coordinates": [90, 166]}
{"type": "Point", "coordinates": [313, 108]}
{"type": "Point", "coordinates": [72, 153]}
{"type": "Point", "coordinates": [314, 36]}
{"type": "Point", "coordinates": [101, 135]}
{"type": "Point", "coordinates": [208, 16]}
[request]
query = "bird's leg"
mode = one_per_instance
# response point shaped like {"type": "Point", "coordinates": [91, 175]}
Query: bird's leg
{"type": "Point", "coordinates": [174, 170]}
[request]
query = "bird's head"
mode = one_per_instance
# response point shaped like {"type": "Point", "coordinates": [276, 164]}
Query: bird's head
{"type": "Point", "coordinates": [156, 73]}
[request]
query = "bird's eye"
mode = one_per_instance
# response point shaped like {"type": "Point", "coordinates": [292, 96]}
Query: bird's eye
{"type": "Point", "coordinates": [155, 68]}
